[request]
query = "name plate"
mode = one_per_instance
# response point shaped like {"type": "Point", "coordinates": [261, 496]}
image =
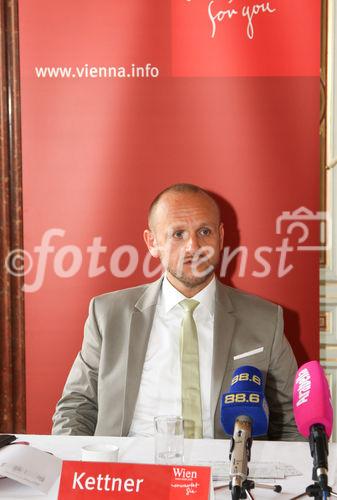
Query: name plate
{"type": "Point", "coordinates": [124, 480]}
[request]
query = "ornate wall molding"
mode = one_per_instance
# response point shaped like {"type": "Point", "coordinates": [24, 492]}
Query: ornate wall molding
{"type": "Point", "coordinates": [12, 340]}
{"type": "Point", "coordinates": [328, 282]}
{"type": "Point", "coordinates": [330, 369]}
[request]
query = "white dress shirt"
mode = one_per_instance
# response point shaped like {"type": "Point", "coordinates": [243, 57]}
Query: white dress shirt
{"type": "Point", "coordinates": [160, 385]}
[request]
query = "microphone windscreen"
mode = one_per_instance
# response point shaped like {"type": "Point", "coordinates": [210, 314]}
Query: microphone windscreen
{"type": "Point", "coordinates": [312, 399]}
{"type": "Point", "coordinates": [245, 398]}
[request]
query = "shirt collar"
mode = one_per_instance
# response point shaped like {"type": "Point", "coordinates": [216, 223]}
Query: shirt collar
{"type": "Point", "coordinates": [170, 296]}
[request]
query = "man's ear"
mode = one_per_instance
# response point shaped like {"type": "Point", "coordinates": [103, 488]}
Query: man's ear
{"type": "Point", "coordinates": [151, 243]}
{"type": "Point", "coordinates": [221, 234]}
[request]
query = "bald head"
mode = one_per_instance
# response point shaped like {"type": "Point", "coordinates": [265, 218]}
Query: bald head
{"type": "Point", "coordinates": [179, 195]}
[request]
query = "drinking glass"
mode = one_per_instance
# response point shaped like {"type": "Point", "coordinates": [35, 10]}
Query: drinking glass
{"type": "Point", "coordinates": [169, 439]}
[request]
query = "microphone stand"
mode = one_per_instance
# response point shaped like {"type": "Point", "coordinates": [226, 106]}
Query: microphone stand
{"type": "Point", "coordinates": [315, 490]}
{"type": "Point", "coordinates": [239, 456]}
{"type": "Point", "coordinates": [246, 487]}
{"type": "Point", "coordinates": [319, 451]}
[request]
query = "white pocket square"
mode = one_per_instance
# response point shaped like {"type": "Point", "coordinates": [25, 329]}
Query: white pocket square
{"type": "Point", "coordinates": [248, 353]}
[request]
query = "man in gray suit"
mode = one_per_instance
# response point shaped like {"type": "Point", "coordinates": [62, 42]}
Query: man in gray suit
{"type": "Point", "coordinates": [132, 365]}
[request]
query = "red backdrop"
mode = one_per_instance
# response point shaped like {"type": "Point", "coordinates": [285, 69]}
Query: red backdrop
{"type": "Point", "coordinates": [237, 115]}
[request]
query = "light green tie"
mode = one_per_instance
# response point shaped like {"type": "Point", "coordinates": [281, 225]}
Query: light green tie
{"type": "Point", "coordinates": [190, 375]}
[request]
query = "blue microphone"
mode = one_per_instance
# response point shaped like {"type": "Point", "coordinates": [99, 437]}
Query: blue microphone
{"type": "Point", "coordinates": [245, 397]}
{"type": "Point", "coordinates": [244, 413]}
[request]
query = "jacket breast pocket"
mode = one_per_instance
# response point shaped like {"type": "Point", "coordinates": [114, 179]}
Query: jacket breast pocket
{"type": "Point", "coordinates": [253, 357]}
{"type": "Point", "coordinates": [259, 360]}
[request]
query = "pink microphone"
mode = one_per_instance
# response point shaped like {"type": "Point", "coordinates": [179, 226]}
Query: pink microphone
{"type": "Point", "coordinates": [314, 417]}
{"type": "Point", "coordinates": [312, 399]}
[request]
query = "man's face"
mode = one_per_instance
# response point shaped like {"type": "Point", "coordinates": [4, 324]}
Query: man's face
{"type": "Point", "coordinates": [187, 236]}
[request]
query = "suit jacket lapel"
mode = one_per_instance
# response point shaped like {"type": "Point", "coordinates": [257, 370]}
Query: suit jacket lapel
{"type": "Point", "coordinates": [224, 322]}
{"type": "Point", "coordinates": [140, 329]}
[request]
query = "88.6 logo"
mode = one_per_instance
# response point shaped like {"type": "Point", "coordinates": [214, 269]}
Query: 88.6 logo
{"type": "Point", "coordinates": [242, 397]}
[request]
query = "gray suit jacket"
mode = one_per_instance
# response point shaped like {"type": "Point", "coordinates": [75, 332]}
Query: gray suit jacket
{"type": "Point", "coordinates": [101, 390]}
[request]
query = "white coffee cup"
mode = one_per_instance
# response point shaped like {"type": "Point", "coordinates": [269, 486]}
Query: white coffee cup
{"type": "Point", "coordinates": [100, 452]}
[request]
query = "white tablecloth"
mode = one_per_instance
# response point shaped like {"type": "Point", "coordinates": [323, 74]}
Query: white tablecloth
{"type": "Point", "coordinates": [141, 450]}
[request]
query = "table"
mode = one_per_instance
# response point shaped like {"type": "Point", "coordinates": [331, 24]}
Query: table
{"type": "Point", "coordinates": [141, 450]}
